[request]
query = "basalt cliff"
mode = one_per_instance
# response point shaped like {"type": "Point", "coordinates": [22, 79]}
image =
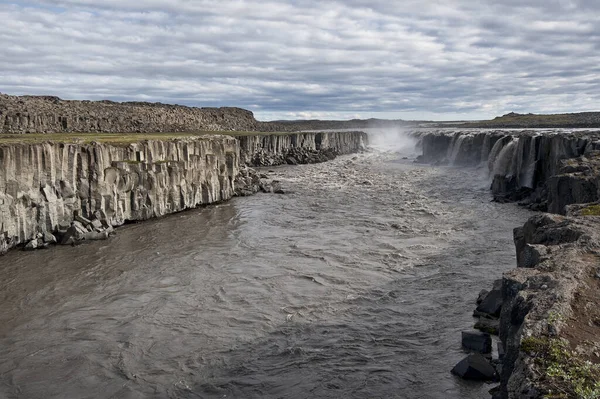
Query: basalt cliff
{"type": "Point", "coordinates": [66, 187]}
{"type": "Point", "coordinates": [546, 310]}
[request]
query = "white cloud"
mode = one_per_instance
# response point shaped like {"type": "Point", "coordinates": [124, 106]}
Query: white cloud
{"type": "Point", "coordinates": [286, 59]}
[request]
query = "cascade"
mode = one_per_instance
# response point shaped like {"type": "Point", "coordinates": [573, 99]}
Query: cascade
{"type": "Point", "coordinates": [503, 163]}
{"type": "Point", "coordinates": [456, 150]}
{"type": "Point", "coordinates": [496, 149]}
{"type": "Point", "coordinates": [529, 171]}
{"type": "Point", "coordinates": [485, 149]}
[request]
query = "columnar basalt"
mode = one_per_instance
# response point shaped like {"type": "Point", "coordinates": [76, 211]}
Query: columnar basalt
{"type": "Point", "coordinates": [45, 186]}
{"type": "Point", "coordinates": [520, 164]}
{"type": "Point", "coordinates": [277, 149]}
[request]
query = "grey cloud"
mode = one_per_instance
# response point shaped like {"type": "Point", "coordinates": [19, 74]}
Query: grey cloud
{"type": "Point", "coordinates": [283, 58]}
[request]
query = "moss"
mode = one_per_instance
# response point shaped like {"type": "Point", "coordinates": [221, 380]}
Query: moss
{"type": "Point", "coordinates": [593, 210]}
{"type": "Point", "coordinates": [564, 374]}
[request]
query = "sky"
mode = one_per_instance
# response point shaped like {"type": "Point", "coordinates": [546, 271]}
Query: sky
{"type": "Point", "coordinates": [309, 59]}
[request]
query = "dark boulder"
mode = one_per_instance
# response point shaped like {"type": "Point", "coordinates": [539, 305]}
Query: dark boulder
{"type": "Point", "coordinates": [482, 295]}
{"type": "Point", "coordinates": [490, 326]}
{"type": "Point", "coordinates": [477, 341]}
{"type": "Point", "coordinates": [475, 367]}
{"type": "Point", "coordinates": [491, 305]}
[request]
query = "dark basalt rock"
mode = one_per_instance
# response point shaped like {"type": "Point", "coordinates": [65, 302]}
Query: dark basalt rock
{"type": "Point", "coordinates": [491, 305]}
{"type": "Point", "coordinates": [475, 367]}
{"type": "Point", "coordinates": [477, 341]}
{"type": "Point", "coordinates": [490, 326]}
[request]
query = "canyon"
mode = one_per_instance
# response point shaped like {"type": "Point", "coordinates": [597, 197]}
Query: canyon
{"type": "Point", "coordinates": [89, 167]}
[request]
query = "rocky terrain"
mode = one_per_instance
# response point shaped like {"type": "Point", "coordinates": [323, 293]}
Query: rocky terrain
{"type": "Point", "coordinates": [546, 310]}
{"type": "Point", "coordinates": [526, 121]}
{"type": "Point", "coordinates": [46, 114]}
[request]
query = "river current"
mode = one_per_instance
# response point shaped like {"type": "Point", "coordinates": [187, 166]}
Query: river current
{"type": "Point", "coordinates": [354, 284]}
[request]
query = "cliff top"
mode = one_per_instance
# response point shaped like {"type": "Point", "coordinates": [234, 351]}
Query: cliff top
{"type": "Point", "coordinates": [515, 120]}
{"type": "Point", "coordinates": [118, 138]}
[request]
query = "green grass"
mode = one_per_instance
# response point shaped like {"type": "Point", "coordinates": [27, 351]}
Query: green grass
{"type": "Point", "coordinates": [117, 138]}
{"type": "Point", "coordinates": [592, 210]}
{"type": "Point", "coordinates": [564, 374]}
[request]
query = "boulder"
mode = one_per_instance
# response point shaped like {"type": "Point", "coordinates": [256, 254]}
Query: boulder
{"type": "Point", "coordinates": [482, 295]}
{"type": "Point", "coordinates": [491, 305]}
{"type": "Point", "coordinates": [277, 187]}
{"type": "Point", "coordinates": [49, 238]}
{"type": "Point", "coordinates": [477, 341]}
{"type": "Point", "coordinates": [475, 367]}
{"type": "Point", "coordinates": [32, 245]}
{"type": "Point", "coordinates": [487, 325]}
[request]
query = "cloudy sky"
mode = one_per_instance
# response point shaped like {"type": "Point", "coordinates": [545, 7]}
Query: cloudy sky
{"type": "Point", "coordinates": [409, 59]}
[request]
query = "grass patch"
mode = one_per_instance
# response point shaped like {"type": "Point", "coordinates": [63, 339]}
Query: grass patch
{"type": "Point", "coordinates": [563, 373]}
{"type": "Point", "coordinates": [593, 210]}
{"type": "Point", "coordinates": [118, 138]}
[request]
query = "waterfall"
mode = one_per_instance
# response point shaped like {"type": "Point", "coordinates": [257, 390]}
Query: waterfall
{"type": "Point", "coordinates": [529, 172]}
{"type": "Point", "coordinates": [504, 162]}
{"type": "Point", "coordinates": [485, 149]}
{"type": "Point", "coordinates": [518, 157]}
{"type": "Point", "coordinates": [498, 146]}
{"type": "Point", "coordinates": [450, 149]}
{"type": "Point", "coordinates": [456, 149]}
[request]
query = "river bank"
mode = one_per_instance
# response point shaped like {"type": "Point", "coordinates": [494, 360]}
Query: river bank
{"type": "Point", "coordinates": [546, 308]}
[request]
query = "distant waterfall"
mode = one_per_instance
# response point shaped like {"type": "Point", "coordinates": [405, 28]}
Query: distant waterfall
{"type": "Point", "coordinates": [504, 163]}
{"type": "Point", "coordinates": [450, 149]}
{"type": "Point", "coordinates": [485, 149]}
{"type": "Point", "coordinates": [529, 171]}
{"type": "Point", "coordinates": [456, 148]}
{"type": "Point", "coordinates": [496, 149]}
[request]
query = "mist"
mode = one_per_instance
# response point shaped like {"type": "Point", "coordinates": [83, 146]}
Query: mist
{"type": "Point", "coordinates": [395, 139]}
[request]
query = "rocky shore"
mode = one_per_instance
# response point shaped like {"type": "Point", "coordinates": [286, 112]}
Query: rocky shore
{"type": "Point", "coordinates": [545, 311]}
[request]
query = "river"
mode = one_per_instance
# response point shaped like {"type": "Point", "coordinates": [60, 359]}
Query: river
{"type": "Point", "coordinates": [354, 284]}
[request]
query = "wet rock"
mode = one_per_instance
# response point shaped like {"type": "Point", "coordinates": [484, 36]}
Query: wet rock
{"type": "Point", "coordinates": [501, 351]}
{"type": "Point", "coordinates": [84, 221]}
{"type": "Point", "coordinates": [31, 245]}
{"type": "Point", "coordinates": [475, 367]}
{"type": "Point", "coordinates": [487, 325]}
{"type": "Point", "coordinates": [491, 305]}
{"type": "Point", "coordinates": [477, 341]}
{"type": "Point", "coordinates": [49, 238]}
{"type": "Point", "coordinates": [482, 294]}
{"type": "Point", "coordinates": [277, 189]}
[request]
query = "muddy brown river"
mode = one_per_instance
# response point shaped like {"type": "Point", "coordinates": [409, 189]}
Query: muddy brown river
{"type": "Point", "coordinates": [355, 284]}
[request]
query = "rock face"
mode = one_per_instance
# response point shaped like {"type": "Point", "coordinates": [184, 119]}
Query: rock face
{"type": "Point", "coordinates": [577, 182]}
{"type": "Point", "coordinates": [540, 304]}
{"type": "Point", "coordinates": [299, 148]}
{"type": "Point", "coordinates": [45, 114]}
{"type": "Point", "coordinates": [520, 164]}
{"type": "Point", "coordinates": [45, 187]}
